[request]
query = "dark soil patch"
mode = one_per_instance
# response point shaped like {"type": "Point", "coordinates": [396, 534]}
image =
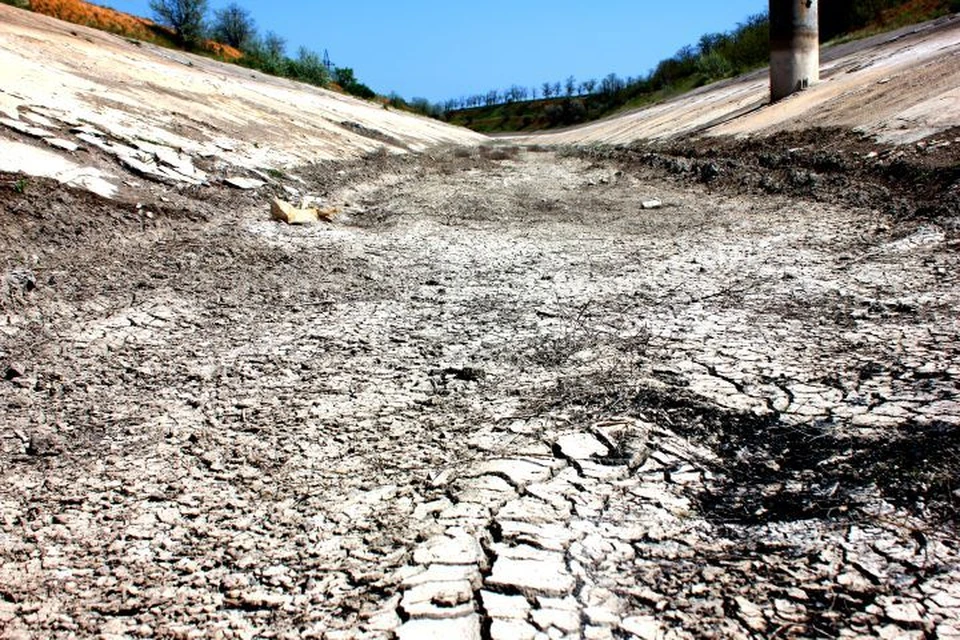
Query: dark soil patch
{"type": "Point", "coordinates": [829, 165]}
{"type": "Point", "coordinates": [770, 471]}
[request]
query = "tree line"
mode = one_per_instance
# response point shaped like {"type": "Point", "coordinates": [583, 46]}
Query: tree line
{"type": "Point", "coordinates": [714, 57]}
{"type": "Point", "coordinates": [192, 24]}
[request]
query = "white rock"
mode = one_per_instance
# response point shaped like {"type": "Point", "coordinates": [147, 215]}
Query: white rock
{"type": "Point", "coordinates": [465, 628]}
{"type": "Point", "coordinates": [24, 128]}
{"type": "Point", "coordinates": [60, 143]}
{"type": "Point", "coordinates": [548, 576]}
{"type": "Point", "coordinates": [33, 161]}
{"type": "Point", "coordinates": [563, 619]}
{"type": "Point", "coordinates": [439, 599]}
{"type": "Point", "coordinates": [445, 573]}
{"type": "Point", "coordinates": [500, 606]}
{"type": "Point", "coordinates": [644, 627]}
{"type": "Point", "coordinates": [651, 204]}
{"type": "Point", "coordinates": [581, 446]}
{"type": "Point", "coordinates": [520, 472]}
{"type": "Point", "coordinates": [457, 547]}
{"type": "Point", "coordinates": [512, 630]}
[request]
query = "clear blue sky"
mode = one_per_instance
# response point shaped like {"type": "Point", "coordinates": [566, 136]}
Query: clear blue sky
{"type": "Point", "coordinates": [440, 50]}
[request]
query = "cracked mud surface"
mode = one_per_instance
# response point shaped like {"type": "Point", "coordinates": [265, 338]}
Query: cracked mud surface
{"type": "Point", "coordinates": [497, 399]}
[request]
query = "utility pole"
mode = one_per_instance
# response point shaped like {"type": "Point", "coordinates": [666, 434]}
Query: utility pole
{"type": "Point", "coordinates": [794, 46]}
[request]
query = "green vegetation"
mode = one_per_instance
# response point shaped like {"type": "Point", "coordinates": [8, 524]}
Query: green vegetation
{"type": "Point", "coordinates": [184, 17]}
{"type": "Point", "coordinates": [715, 57]}
{"type": "Point", "coordinates": [231, 36]}
{"type": "Point", "coordinates": [236, 28]}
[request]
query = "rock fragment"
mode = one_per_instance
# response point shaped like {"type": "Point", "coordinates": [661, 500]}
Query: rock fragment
{"type": "Point", "coordinates": [245, 183]}
{"type": "Point", "coordinates": [465, 628]}
{"type": "Point", "coordinates": [286, 212]}
{"type": "Point", "coordinates": [546, 576]}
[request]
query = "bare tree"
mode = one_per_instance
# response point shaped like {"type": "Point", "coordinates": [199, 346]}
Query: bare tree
{"type": "Point", "coordinates": [571, 85]}
{"type": "Point", "coordinates": [185, 17]}
{"type": "Point", "coordinates": [547, 90]}
{"type": "Point", "coordinates": [234, 26]}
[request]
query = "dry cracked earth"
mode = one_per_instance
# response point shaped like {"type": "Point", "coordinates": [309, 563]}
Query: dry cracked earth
{"type": "Point", "coordinates": [504, 396]}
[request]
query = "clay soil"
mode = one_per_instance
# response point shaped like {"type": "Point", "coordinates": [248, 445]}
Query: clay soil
{"type": "Point", "coordinates": [731, 415]}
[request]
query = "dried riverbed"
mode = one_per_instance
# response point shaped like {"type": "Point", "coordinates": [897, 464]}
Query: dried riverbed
{"type": "Point", "coordinates": [498, 398]}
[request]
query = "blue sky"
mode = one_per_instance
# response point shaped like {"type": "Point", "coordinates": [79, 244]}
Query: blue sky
{"type": "Point", "coordinates": [439, 50]}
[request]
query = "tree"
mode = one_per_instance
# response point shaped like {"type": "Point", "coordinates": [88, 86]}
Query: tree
{"type": "Point", "coordinates": [234, 26]}
{"type": "Point", "coordinates": [571, 85]}
{"type": "Point", "coordinates": [274, 46]}
{"type": "Point", "coordinates": [185, 17]}
{"type": "Point", "coordinates": [547, 89]}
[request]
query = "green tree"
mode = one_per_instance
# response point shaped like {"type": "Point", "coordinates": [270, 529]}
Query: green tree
{"type": "Point", "coordinates": [234, 26]}
{"type": "Point", "coordinates": [185, 17]}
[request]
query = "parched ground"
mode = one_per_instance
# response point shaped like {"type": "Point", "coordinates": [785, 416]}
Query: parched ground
{"type": "Point", "coordinates": [505, 395]}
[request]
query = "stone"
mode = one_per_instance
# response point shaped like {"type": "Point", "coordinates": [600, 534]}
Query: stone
{"type": "Point", "coordinates": [563, 619]}
{"type": "Point", "coordinates": [549, 536]}
{"type": "Point", "coordinates": [445, 573]}
{"type": "Point", "coordinates": [438, 600]}
{"type": "Point", "coordinates": [581, 446]}
{"type": "Point", "coordinates": [14, 370]}
{"type": "Point", "coordinates": [601, 616]}
{"type": "Point", "coordinates": [33, 161]}
{"type": "Point", "coordinates": [286, 212]}
{"type": "Point", "coordinates": [20, 127]}
{"type": "Point", "coordinates": [546, 576]}
{"type": "Point", "coordinates": [60, 143]}
{"type": "Point", "coordinates": [500, 606]}
{"type": "Point", "coordinates": [519, 472]}
{"type": "Point", "coordinates": [751, 614]}
{"type": "Point", "coordinates": [456, 547]}
{"type": "Point", "coordinates": [643, 627]}
{"type": "Point", "coordinates": [653, 203]}
{"type": "Point", "coordinates": [464, 628]}
{"type": "Point", "coordinates": [244, 183]}
{"type": "Point", "coordinates": [264, 600]}
{"type": "Point", "coordinates": [904, 611]}
{"type": "Point", "coordinates": [512, 630]}
{"type": "Point", "coordinates": [532, 511]}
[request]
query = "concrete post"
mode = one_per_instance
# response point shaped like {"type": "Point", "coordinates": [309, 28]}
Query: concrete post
{"type": "Point", "coordinates": [794, 46]}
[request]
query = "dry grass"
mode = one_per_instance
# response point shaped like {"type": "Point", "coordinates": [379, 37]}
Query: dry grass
{"type": "Point", "coordinates": [120, 23]}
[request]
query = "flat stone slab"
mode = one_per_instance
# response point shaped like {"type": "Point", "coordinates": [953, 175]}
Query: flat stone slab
{"type": "Point", "coordinates": [512, 630]}
{"type": "Point", "coordinates": [500, 606]}
{"type": "Point", "coordinates": [581, 446]}
{"type": "Point", "coordinates": [245, 183]}
{"type": "Point", "coordinates": [644, 627]}
{"type": "Point", "coordinates": [439, 600]}
{"type": "Point", "coordinates": [455, 548]}
{"type": "Point", "coordinates": [544, 576]}
{"type": "Point", "coordinates": [445, 573]}
{"type": "Point", "coordinates": [465, 628]}
{"type": "Point", "coordinates": [520, 472]}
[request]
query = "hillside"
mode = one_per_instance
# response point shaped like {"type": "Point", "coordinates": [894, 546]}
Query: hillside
{"type": "Point", "coordinates": [717, 56]}
{"type": "Point", "coordinates": [110, 100]}
{"type": "Point", "coordinates": [901, 86]}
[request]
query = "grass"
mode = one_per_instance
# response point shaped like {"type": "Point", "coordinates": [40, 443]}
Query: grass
{"type": "Point", "coordinates": [912, 12]}
{"type": "Point", "coordinates": [120, 23]}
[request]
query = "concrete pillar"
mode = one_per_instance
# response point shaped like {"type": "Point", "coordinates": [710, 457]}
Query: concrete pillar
{"type": "Point", "coordinates": [794, 46]}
